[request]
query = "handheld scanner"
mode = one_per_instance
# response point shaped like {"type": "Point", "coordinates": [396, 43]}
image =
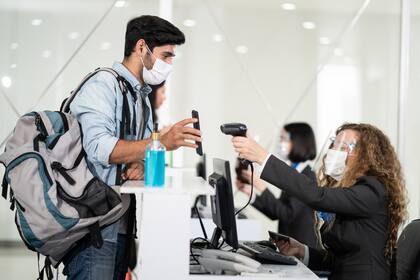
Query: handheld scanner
{"type": "Point", "coordinates": [234, 129]}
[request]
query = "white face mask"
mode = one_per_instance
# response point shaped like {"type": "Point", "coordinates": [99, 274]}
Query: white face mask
{"type": "Point", "coordinates": [281, 151]}
{"type": "Point", "coordinates": [335, 164]}
{"type": "Point", "coordinates": [159, 72]}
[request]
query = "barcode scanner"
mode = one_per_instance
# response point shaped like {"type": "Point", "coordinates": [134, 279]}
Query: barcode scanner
{"type": "Point", "coordinates": [236, 129]}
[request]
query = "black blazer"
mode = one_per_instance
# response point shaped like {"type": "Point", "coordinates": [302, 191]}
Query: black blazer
{"type": "Point", "coordinates": [408, 252]}
{"type": "Point", "coordinates": [296, 219]}
{"type": "Point", "coordinates": [357, 238]}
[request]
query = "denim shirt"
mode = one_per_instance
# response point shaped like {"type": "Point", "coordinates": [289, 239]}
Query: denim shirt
{"type": "Point", "coordinates": [98, 108]}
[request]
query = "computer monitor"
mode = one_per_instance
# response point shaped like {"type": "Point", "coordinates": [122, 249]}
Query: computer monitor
{"type": "Point", "coordinates": [223, 211]}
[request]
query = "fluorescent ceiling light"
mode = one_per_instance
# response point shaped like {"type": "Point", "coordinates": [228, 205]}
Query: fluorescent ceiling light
{"type": "Point", "coordinates": [241, 49]}
{"type": "Point", "coordinates": [36, 22]}
{"type": "Point", "coordinates": [308, 25]}
{"type": "Point", "coordinates": [6, 81]}
{"type": "Point", "coordinates": [73, 35]}
{"type": "Point", "coordinates": [217, 37]}
{"type": "Point", "coordinates": [105, 46]}
{"type": "Point", "coordinates": [120, 4]}
{"type": "Point", "coordinates": [288, 6]}
{"type": "Point", "coordinates": [14, 46]}
{"type": "Point", "coordinates": [189, 22]}
{"type": "Point", "coordinates": [46, 53]}
{"type": "Point", "coordinates": [324, 41]}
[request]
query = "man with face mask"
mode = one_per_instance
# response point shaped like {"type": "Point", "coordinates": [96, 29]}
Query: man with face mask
{"type": "Point", "coordinates": [150, 44]}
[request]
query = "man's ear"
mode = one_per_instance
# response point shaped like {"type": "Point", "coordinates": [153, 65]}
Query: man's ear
{"type": "Point", "coordinates": [140, 47]}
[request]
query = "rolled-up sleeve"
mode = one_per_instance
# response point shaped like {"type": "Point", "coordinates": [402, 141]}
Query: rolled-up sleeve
{"type": "Point", "coordinates": [95, 109]}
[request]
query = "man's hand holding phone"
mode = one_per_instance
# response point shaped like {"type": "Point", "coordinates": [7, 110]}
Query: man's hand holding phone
{"type": "Point", "coordinates": [181, 135]}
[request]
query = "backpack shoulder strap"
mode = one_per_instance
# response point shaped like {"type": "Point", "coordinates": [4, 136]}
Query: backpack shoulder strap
{"type": "Point", "coordinates": [125, 88]}
{"type": "Point", "coordinates": [122, 83]}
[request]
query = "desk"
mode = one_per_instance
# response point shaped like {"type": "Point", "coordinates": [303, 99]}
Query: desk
{"type": "Point", "coordinates": [287, 272]}
{"type": "Point", "coordinates": [163, 223]}
{"type": "Point", "coordinates": [248, 229]}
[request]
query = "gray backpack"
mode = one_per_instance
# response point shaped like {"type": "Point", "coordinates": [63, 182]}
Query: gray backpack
{"type": "Point", "coordinates": [58, 198]}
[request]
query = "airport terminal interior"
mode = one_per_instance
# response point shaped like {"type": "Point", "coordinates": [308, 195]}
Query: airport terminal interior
{"type": "Point", "coordinates": [263, 64]}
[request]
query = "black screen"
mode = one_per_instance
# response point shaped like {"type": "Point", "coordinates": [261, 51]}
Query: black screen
{"type": "Point", "coordinates": [222, 206]}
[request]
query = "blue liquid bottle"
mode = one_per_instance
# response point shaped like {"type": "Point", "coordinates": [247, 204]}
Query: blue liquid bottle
{"type": "Point", "coordinates": [155, 161]}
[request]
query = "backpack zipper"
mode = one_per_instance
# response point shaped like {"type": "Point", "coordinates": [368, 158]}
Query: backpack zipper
{"type": "Point", "coordinates": [55, 165]}
{"type": "Point", "coordinates": [40, 124]}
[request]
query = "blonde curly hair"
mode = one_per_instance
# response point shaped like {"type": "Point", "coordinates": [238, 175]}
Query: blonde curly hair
{"type": "Point", "coordinates": [375, 157]}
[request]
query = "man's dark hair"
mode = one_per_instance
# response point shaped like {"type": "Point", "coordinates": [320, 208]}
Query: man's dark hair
{"type": "Point", "coordinates": [303, 142]}
{"type": "Point", "coordinates": [154, 30]}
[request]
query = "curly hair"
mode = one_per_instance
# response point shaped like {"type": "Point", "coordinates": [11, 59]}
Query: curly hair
{"type": "Point", "coordinates": [375, 157]}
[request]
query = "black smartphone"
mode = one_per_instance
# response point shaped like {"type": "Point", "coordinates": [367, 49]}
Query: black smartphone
{"type": "Point", "coordinates": [278, 237]}
{"type": "Point", "coordinates": [196, 125]}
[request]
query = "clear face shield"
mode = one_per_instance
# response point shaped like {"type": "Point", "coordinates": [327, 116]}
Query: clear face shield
{"type": "Point", "coordinates": [334, 154]}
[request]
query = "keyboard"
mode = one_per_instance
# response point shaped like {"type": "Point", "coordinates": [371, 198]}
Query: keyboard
{"type": "Point", "coordinates": [266, 255]}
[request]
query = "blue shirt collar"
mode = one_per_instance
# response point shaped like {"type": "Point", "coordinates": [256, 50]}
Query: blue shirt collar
{"type": "Point", "coordinates": [144, 89]}
{"type": "Point", "coordinates": [295, 165]}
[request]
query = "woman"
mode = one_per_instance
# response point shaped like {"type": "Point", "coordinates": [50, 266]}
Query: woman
{"type": "Point", "coordinates": [363, 187]}
{"type": "Point", "coordinates": [157, 97]}
{"type": "Point", "coordinates": [296, 219]}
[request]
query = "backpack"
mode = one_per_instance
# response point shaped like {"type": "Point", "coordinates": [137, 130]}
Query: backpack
{"type": "Point", "coordinates": [54, 189]}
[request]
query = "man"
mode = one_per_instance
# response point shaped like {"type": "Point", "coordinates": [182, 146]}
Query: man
{"type": "Point", "coordinates": [150, 44]}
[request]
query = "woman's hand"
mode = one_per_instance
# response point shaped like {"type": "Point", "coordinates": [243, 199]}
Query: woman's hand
{"type": "Point", "coordinates": [258, 183]}
{"type": "Point", "coordinates": [241, 186]}
{"type": "Point", "coordinates": [249, 149]}
{"type": "Point", "coordinates": [291, 248]}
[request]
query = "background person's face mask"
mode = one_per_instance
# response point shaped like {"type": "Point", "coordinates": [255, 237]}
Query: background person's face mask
{"type": "Point", "coordinates": [159, 72]}
{"type": "Point", "coordinates": [281, 151]}
{"type": "Point", "coordinates": [335, 164]}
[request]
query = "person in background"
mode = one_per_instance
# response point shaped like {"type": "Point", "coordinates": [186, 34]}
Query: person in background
{"type": "Point", "coordinates": [297, 147]}
{"type": "Point", "coordinates": [156, 97]}
{"type": "Point", "coordinates": [362, 184]}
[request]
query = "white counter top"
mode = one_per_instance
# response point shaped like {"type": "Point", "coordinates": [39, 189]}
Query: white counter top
{"type": "Point", "coordinates": [186, 184]}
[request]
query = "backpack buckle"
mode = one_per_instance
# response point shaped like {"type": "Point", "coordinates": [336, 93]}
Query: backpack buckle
{"type": "Point", "coordinates": [4, 186]}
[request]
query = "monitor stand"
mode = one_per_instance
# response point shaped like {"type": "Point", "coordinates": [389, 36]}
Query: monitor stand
{"type": "Point", "coordinates": [217, 233]}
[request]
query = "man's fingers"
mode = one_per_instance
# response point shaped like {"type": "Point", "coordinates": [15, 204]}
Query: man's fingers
{"type": "Point", "coordinates": [188, 144]}
{"type": "Point", "coordinates": [191, 137]}
{"type": "Point", "coordinates": [190, 130]}
{"type": "Point", "coordinates": [130, 172]}
{"type": "Point", "coordinates": [186, 121]}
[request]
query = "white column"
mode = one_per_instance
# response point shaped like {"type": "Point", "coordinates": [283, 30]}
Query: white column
{"type": "Point", "coordinates": [404, 74]}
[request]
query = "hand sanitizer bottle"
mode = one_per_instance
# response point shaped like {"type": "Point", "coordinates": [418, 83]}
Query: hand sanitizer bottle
{"type": "Point", "coordinates": [155, 161]}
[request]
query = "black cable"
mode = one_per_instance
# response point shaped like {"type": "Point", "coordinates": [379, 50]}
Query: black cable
{"type": "Point", "coordinates": [252, 190]}
{"type": "Point", "coordinates": [201, 221]}
{"type": "Point", "coordinates": [192, 243]}
{"type": "Point", "coordinates": [221, 244]}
